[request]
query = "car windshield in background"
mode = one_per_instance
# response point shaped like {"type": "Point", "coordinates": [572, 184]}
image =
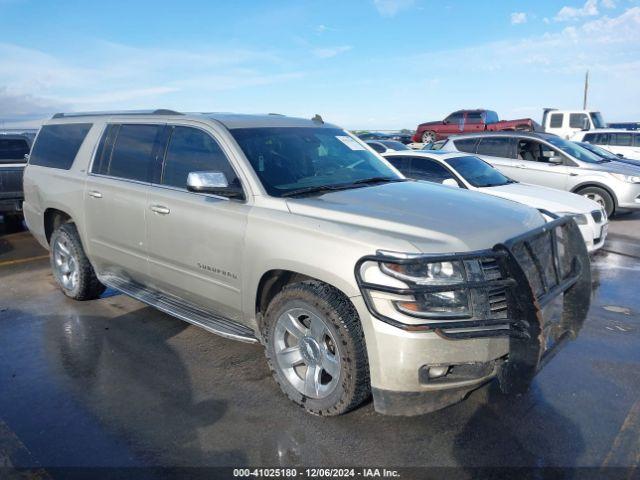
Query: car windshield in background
{"type": "Point", "coordinates": [575, 150]}
{"type": "Point", "coordinates": [394, 145]}
{"type": "Point", "coordinates": [13, 149]}
{"type": "Point", "coordinates": [598, 121]}
{"type": "Point", "coordinates": [291, 160]}
{"type": "Point", "coordinates": [477, 172]}
{"type": "Point", "coordinates": [599, 151]}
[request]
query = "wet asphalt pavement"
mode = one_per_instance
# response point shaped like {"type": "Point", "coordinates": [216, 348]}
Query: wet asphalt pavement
{"type": "Point", "coordinates": [114, 383]}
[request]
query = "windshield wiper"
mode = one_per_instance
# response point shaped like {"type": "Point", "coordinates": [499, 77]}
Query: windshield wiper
{"type": "Point", "coordinates": [340, 186]}
{"type": "Point", "coordinates": [378, 180]}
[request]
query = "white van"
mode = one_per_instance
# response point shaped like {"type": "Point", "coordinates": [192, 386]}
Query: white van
{"type": "Point", "coordinates": [618, 141]}
{"type": "Point", "coordinates": [567, 123]}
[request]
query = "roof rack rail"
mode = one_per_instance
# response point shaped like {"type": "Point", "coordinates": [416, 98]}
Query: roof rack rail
{"type": "Point", "coordinates": [159, 111]}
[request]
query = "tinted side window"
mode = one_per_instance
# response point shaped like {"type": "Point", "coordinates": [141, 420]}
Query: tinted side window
{"type": "Point", "coordinates": [474, 117]}
{"type": "Point", "coordinates": [577, 120]}
{"type": "Point", "coordinates": [103, 153]}
{"type": "Point", "coordinates": [636, 140]}
{"type": "Point", "coordinates": [58, 145]}
{"type": "Point", "coordinates": [192, 150]}
{"type": "Point", "coordinates": [466, 145]}
{"type": "Point", "coordinates": [13, 149]}
{"type": "Point", "coordinates": [556, 120]}
{"type": "Point", "coordinates": [590, 137]}
{"type": "Point", "coordinates": [377, 147]}
{"type": "Point", "coordinates": [429, 170]}
{"type": "Point", "coordinates": [401, 163]}
{"type": "Point", "coordinates": [495, 147]}
{"type": "Point", "coordinates": [455, 117]}
{"type": "Point", "coordinates": [620, 139]}
{"type": "Point", "coordinates": [133, 152]}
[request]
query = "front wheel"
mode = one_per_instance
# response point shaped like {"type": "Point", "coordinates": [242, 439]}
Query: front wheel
{"type": "Point", "coordinates": [601, 197]}
{"type": "Point", "coordinates": [428, 137]}
{"type": "Point", "coordinates": [316, 349]}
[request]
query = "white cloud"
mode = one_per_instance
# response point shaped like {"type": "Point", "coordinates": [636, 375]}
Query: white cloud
{"type": "Point", "coordinates": [566, 13]}
{"type": "Point", "coordinates": [389, 8]}
{"type": "Point", "coordinates": [518, 17]}
{"type": "Point", "coordinates": [609, 3]}
{"type": "Point", "coordinates": [120, 76]}
{"type": "Point", "coordinates": [329, 52]}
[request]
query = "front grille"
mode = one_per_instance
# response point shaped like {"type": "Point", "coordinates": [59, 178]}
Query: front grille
{"type": "Point", "coordinates": [597, 216]}
{"type": "Point", "coordinates": [505, 285]}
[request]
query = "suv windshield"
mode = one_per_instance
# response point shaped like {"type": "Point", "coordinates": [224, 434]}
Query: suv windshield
{"type": "Point", "coordinates": [290, 160]}
{"type": "Point", "coordinates": [477, 172]}
{"type": "Point", "coordinates": [575, 150]}
{"type": "Point", "coordinates": [598, 121]}
{"type": "Point", "coordinates": [601, 152]}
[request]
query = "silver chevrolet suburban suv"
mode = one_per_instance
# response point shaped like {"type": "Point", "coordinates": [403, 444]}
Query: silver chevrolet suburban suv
{"type": "Point", "coordinates": [295, 234]}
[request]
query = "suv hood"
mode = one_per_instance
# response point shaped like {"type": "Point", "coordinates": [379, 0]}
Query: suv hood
{"type": "Point", "coordinates": [555, 201]}
{"type": "Point", "coordinates": [434, 218]}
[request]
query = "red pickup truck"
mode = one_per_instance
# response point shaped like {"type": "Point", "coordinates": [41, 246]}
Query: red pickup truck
{"type": "Point", "coordinates": [469, 121]}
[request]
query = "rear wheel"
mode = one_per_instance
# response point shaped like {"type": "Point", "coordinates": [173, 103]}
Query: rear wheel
{"type": "Point", "coordinates": [71, 267]}
{"type": "Point", "coordinates": [315, 348]}
{"type": "Point", "coordinates": [600, 196]}
{"type": "Point", "coordinates": [428, 137]}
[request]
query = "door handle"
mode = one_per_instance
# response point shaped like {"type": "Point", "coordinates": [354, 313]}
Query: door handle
{"type": "Point", "coordinates": [94, 194]}
{"type": "Point", "coordinates": [160, 209]}
{"type": "Point", "coordinates": [520, 165]}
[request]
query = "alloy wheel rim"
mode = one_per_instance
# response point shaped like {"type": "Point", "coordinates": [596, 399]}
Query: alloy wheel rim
{"type": "Point", "coordinates": [427, 137]}
{"type": "Point", "coordinates": [306, 352]}
{"type": "Point", "coordinates": [65, 264]}
{"type": "Point", "coordinates": [596, 198]}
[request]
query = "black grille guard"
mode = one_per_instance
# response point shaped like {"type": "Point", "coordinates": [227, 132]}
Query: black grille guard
{"type": "Point", "coordinates": [535, 268]}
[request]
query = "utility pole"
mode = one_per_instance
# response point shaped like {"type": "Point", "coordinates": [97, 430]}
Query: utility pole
{"type": "Point", "coordinates": [586, 90]}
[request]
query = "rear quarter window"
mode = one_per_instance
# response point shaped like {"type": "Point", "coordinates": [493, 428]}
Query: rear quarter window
{"type": "Point", "coordinates": [555, 120]}
{"type": "Point", "coordinates": [57, 145]}
{"type": "Point", "coordinates": [466, 145]}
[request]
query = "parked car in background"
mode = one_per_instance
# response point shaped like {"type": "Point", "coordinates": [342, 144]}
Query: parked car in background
{"type": "Point", "coordinates": [625, 125]}
{"type": "Point", "coordinates": [617, 141]}
{"type": "Point", "coordinates": [470, 121]}
{"type": "Point", "coordinates": [606, 154]}
{"type": "Point", "coordinates": [472, 173]}
{"type": "Point", "coordinates": [13, 151]}
{"type": "Point", "coordinates": [293, 233]}
{"type": "Point", "coordinates": [567, 123]}
{"type": "Point", "coordinates": [404, 138]}
{"type": "Point", "coordinates": [382, 146]}
{"type": "Point", "coordinates": [548, 160]}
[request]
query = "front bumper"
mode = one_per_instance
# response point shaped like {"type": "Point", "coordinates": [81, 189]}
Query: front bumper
{"type": "Point", "coordinates": [513, 328]}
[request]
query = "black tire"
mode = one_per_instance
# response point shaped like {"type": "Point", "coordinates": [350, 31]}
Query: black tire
{"type": "Point", "coordinates": [428, 137]}
{"type": "Point", "coordinates": [601, 196]}
{"type": "Point", "coordinates": [12, 223]}
{"type": "Point", "coordinates": [87, 286]}
{"type": "Point", "coordinates": [341, 319]}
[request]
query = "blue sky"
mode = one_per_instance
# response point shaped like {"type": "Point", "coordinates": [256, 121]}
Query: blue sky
{"type": "Point", "coordinates": [377, 64]}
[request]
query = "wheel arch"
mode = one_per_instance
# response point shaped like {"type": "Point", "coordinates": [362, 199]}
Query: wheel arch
{"type": "Point", "coordinates": [588, 184]}
{"type": "Point", "coordinates": [52, 219]}
{"type": "Point", "coordinates": [274, 281]}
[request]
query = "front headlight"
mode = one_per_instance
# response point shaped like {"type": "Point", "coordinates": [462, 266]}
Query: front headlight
{"type": "Point", "coordinates": [627, 178]}
{"type": "Point", "coordinates": [447, 303]}
{"type": "Point", "coordinates": [580, 218]}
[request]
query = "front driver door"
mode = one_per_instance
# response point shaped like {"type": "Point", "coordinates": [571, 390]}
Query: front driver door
{"type": "Point", "coordinates": [533, 161]}
{"type": "Point", "coordinates": [196, 240]}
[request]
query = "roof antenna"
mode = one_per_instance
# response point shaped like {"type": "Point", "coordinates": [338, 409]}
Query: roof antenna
{"type": "Point", "coordinates": [317, 119]}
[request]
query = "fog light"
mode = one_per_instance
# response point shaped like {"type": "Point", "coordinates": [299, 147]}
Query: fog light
{"type": "Point", "coordinates": [439, 371]}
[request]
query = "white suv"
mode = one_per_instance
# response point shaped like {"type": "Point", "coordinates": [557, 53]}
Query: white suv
{"type": "Point", "coordinates": [625, 143]}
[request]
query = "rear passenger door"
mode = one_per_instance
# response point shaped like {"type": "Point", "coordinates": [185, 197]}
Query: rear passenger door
{"type": "Point", "coordinates": [196, 239]}
{"type": "Point", "coordinates": [500, 152]}
{"type": "Point", "coordinates": [116, 192]}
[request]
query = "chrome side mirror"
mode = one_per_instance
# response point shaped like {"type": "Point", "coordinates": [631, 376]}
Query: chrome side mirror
{"type": "Point", "coordinates": [212, 182]}
{"type": "Point", "coordinates": [450, 182]}
{"type": "Point", "coordinates": [557, 160]}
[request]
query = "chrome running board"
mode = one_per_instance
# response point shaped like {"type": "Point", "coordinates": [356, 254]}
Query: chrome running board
{"type": "Point", "coordinates": [174, 306]}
